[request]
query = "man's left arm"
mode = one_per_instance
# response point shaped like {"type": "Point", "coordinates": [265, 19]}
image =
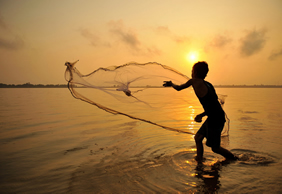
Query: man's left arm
{"type": "Point", "coordinates": [178, 87]}
{"type": "Point", "coordinates": [199, 117]}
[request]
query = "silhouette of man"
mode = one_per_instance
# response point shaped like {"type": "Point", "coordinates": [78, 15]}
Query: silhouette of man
{"type": "Point", "coordinates": [213, 126]}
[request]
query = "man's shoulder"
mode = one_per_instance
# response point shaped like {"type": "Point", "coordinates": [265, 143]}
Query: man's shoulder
{"type": "Point", "coordinates": [208, 83]}
{"type": "Point", "coordinates": [197, 81]}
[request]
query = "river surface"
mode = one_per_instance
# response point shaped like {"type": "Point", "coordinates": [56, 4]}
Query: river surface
{"type": "Point", "coordinates": [51, 142]}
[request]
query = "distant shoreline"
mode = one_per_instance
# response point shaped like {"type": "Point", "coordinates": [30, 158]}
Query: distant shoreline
{"type": "Point", "coordinates": [29, 85]}
{"type": "Point", "coordinates": [248, 86]}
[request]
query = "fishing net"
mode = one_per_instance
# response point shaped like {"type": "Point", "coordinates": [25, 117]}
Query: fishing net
{"type": "Point", "coordinates": [135, 90]}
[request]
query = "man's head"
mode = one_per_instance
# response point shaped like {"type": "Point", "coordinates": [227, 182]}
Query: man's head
{"type": "Point", "coordinates": [200, 70]}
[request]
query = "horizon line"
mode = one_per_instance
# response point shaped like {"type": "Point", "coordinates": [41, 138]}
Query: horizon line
{"type": "Point", "coordinates": [29, 85]}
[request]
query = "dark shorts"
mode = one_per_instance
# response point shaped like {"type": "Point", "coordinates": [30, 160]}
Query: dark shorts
{"type": "Point", "coordinates": [212, 131]}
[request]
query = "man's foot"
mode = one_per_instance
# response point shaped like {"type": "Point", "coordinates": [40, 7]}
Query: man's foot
{"type": "Point", "coordinates": [233, 158]}
{"type": "Point", "coordinates": [236, 158]}
{"type": "Point", "coordinates": [199, 159]}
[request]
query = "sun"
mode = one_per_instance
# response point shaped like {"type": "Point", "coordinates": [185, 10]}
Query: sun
{"type": "Point", "coordinates": [192, 56]}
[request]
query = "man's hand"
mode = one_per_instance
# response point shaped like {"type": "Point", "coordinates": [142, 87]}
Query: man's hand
{"type": "Point", "coordinates": [198, 118]}
{"type": "Point", "coordinates": [167, 84]}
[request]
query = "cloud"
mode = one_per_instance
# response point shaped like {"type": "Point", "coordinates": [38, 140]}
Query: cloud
{"type": "Point", "coordinates": [126, 36]}
{"type": "Point", "coordinates": [8, 40]}
{"type": "Point", "coordinates": [275, 54]}
{"type": "Point", "coordinates": [180, 39]}
{"type": "Point", "coordinates": [253, 42]}
{"type": "Point", "coordinates": [94, 39]}
{"type": "Point", "coordinates": [3, 25]}
{"type": "Point", "coordinates": [153, 51]}
{"type": "Point", "coordinates": [130, 39]}
{"type": "Point", "coordinates": [14, 43]}
{"type": "Point", "coordinates": [220, 41]}
{"type": "Point", "coordinates": [165, 31]}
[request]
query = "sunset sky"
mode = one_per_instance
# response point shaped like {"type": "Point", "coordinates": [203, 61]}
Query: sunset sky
{"type": "Point", "coordinates": [241, 40]}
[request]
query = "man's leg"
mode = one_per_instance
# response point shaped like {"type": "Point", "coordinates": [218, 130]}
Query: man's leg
{"type": "Point", "coordinates": [199, 144]}
{"type": "Point", "coordinates": [224, 152]}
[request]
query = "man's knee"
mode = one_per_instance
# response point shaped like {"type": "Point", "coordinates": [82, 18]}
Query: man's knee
{"type": "Point", "coordinates": [216, 149]}
{"type": "Point", "coordinates": [198, 137]}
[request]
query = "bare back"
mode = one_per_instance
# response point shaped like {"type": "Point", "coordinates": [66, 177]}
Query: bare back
{"type": "Point", "coordinates": [199, 87]}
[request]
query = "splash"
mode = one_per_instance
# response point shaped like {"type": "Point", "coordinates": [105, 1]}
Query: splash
{"type": "Point", "coordinates": [128, 89]}
{"type": "Point", "coordinates": [251, 157]}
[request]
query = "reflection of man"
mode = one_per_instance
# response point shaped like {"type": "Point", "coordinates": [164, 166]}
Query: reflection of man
{"type": "Point", "coordinates": [210, 178]}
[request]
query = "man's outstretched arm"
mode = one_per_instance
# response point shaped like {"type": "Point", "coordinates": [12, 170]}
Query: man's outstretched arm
{"type": "Point", "coordinates": [178, 87]}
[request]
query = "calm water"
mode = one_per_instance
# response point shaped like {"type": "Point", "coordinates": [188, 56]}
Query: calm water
{"type": "Point", "coordinates": [53, 143]}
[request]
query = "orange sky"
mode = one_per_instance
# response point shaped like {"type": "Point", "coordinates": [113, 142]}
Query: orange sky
{"type": "Point", "coordinates": [241, 40]}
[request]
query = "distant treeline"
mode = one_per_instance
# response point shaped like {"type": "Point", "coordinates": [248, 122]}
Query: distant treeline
{"type": "Point", "coordinates": [248, 86]}
{"type": "Point", "coordinates": [29, 85]}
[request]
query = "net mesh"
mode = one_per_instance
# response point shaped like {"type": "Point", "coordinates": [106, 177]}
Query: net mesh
{"type": "Point", "coordinates": [135, 90]}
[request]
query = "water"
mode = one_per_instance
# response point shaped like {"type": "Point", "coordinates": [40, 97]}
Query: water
{"type": "Point", "coordinates": [53, 143]}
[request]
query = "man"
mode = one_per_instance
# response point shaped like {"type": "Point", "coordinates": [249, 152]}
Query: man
{"type": "Point", "coordinates": [212, 127]}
